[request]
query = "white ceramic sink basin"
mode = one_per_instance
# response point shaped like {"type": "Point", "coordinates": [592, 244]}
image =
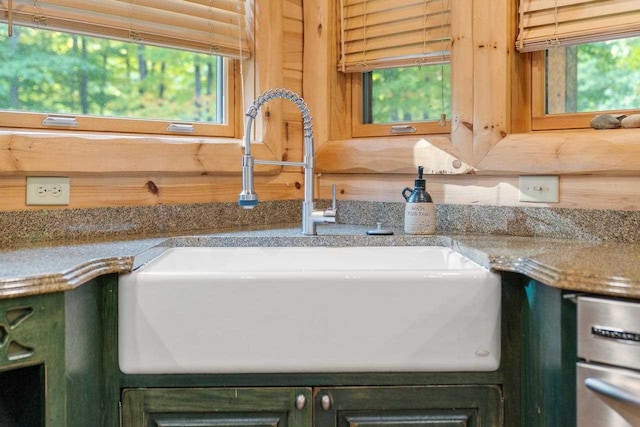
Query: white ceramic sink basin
{"type": "Point", "coordinates": [342, 309]}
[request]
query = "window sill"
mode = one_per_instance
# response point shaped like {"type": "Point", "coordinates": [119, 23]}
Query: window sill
{"type": "Point", "coordinates": [45, 152]}
{"type": "Point", "coordinates": [572, 120]}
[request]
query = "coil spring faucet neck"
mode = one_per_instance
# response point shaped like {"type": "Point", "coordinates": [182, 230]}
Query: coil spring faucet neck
{"type": "Point", "coordinates": [248, 199]}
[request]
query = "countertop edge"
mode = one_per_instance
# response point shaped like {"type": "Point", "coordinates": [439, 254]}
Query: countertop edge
{"type": "Point", "coordinates": [570, 280]}
{"type": "Point", "coordinates": [605, 285]}
{"type": "Point", "coordinates": [69, 279]}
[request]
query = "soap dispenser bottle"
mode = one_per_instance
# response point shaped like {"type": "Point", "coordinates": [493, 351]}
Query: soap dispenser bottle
{"type": "Point", "coordinates": [419, 212]}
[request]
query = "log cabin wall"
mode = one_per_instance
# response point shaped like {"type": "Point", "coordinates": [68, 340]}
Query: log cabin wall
{"type": "Point", "coordinates": [491, 136]}
{"type": "Point", "coordinates": [297, 50]}
{"type": "Point", "coordinates": [138, 170]}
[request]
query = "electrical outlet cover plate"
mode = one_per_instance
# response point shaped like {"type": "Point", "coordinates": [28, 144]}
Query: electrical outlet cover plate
{"type": "Point", "coordinates": [48, 190]}
{"type": "Point", "coordinates": [539, 189]}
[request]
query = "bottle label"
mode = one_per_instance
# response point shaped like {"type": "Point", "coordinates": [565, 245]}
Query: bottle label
{"type": "Point", "coordinates": [419, 218]}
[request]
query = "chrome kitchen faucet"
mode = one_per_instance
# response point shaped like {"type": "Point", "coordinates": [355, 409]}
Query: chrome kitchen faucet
{"type": "Point", "coordinates": [248, 199]}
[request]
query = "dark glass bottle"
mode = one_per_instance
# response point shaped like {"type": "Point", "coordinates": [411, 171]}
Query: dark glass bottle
{"type": "Point", "coordinates": [419, 212]}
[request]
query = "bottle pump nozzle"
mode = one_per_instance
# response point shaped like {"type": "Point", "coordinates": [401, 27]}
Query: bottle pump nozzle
{"type": "Point", "coordinates": [420, 183]}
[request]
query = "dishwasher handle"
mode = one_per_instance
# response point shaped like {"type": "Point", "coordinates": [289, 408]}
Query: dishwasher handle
{"type": "Point", "coordinates": [611, 391]}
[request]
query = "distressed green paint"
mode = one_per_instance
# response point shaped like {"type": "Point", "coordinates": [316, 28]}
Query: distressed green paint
{"type": "Point", "coordinates": [224, 406]}
{"type": "Point", "coordinates": [413, 406]}
{"type": "Point", "coordinates": [35, 325]}
{"type": "Point", "coordinates": [513, 297]}
{"type": "Point", "coordinates": [84, 356]}
{"type": "Point", "coordinates": [109, 324]}
{"type": "Point", "coordinates": [92, 391]}
{"type": "Point", "coordinates": [548, 358]}
{"type": "Point", "coordinates": [506, 378]}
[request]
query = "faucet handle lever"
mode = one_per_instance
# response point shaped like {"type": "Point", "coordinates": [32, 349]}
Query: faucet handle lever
{"type": "Point", "coordinates": [333, 198]}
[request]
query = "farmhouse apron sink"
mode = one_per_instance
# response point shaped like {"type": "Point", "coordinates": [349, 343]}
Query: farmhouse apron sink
{"type": "Point", "coordinates": [310, 309]}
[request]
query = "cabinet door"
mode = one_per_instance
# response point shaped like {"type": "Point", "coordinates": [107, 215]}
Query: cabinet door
{"type": "Point", "coordinates": [248, 407]}
{"type": "Point", "coordinates": [32, 382]}
{"type": "Point", "coordinates": [441, 406]}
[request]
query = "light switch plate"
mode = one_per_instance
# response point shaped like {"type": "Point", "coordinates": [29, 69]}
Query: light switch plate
{"type": "Point", "coordinates": [48, 190]}
{"type": "Point", "coordinates": [539, 189]}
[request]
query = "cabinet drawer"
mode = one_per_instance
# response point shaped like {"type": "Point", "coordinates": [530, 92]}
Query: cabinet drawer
{"type": "Point", "coordinates": [415, 406]}
{"type": "Point", "coordinates": [609, 331]}
{"type": "Point", "coordinates": [250, 407]}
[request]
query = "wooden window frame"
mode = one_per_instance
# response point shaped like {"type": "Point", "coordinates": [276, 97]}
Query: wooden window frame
{"type": "Point", "coordinates": [367, 130]}
{"type": "Point", "coordinates": [540, 121]}
{"type": "Point", "coordinates": [229, 129]}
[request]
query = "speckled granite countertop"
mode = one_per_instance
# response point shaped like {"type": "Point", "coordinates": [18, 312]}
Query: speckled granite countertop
{"type": "Point", "coordinates": [602, 268]}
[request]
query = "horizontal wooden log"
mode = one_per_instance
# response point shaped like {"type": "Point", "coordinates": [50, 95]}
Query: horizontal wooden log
{"type": "Point", "coordinates": [32, 153]}
{"type": "Point", "coordinates": [589, 151]}
{"type": "Point", "coordinates": [576, 191]}
{"type": "Point", "coordinates": [396, 155]}
{"type": "Point", "coordinates": [103, 191]}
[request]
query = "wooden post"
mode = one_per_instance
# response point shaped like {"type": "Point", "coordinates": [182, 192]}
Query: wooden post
{"type": "Point", "coordinates": [268, 69]}
{"type": "Point", "coordinates": [326, 91]}
{"type": "Point", "coordinates": [492, 52]}
{"type": "Point", "coordinates": [462, 79]}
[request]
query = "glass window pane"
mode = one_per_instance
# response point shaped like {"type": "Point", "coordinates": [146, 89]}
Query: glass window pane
{"type": "Point", "coordinates": [594, 77]}
{"type": "Point", "coordinates": [410, 94]}
{"type": "Point", "coordinates": [53, 72]}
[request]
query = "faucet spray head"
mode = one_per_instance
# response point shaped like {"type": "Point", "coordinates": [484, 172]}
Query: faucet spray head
{"type": "Point", "coordinates": [247, 200]}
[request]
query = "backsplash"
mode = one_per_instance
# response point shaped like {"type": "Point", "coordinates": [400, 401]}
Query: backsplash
{"type": "Point", "coordinates": [121, 222]}
{"type": "Point", "coordinates": [581, 224]}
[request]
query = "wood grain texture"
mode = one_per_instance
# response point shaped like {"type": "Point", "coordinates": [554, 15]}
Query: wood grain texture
{"type": "Point", "coordinates": [222, 406]}
{"type": "Point", "coordinates": [492, 50]}
{"type": "Point", "coordinates": [327, 91]}
{"type": "Point", "coordinates": [579, 191]}
{"type": "Point", "coordinates": [520, 87]}
{"type": "Point", "coordinates": [268, 56]}
{"type": "Point", "coordinates": [42, 331]}
{"type": "Point", "coordinates": [549, 354]}
{"type": "Point", "coordinates": [462, 73]}
{"type": "Point", "coordinates": [94, 191]}
{"type": "Point", "coordinates": [29, 152]}
{"type": "Point", "coordinates": [383, 406]}
{"type": "Point", "coordinates": [565, 152]}
{"type": "Point", "coordinates": [315, 64]}
{"type": "Point", "coordinates": [108, 319]}
{"type": "Point", "coordinates": [84, 356]}
{"type": "Point", "coordinates": [391, 155]}
{"type": "Point", "coordinates": [572, 120]}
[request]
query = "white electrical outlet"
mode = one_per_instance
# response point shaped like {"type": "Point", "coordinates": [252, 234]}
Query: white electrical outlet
{"type": "Point", "coordinates": [48, 190]}
{"type": "Point", "coordinates": [539, 189]}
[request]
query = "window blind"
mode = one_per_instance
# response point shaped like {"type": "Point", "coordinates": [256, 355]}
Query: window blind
{"type": "Point", "coordinates": [377, 34]}
{"type": "Point", "coordinates": [547, 23]}
{"type": "Point", "coordinates": [209, 26]}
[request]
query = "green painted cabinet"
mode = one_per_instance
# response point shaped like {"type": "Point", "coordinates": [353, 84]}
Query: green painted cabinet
{"type": "Point", "coordinates": [32, 371]}
{"type": "Point", "coordinates": [52, 363]}
{"type": "Point", "coordinates": [549, 357]}
{"type": "Point", "coordinates": [221, 407]}
{"type": "Point", "coordinates": [344, 406]}
{"type": "Point", "coordinates": [443, 406]}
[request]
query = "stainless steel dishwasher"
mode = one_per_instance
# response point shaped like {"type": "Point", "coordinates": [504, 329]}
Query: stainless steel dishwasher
{"type": "Point", "coordinates": [608, 377]}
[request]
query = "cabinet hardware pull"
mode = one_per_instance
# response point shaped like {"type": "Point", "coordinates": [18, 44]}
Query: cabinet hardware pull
{"type": "Point", "coordinates": [300, 402]}
{"type": "Point", "coordinates": [326, 402]}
